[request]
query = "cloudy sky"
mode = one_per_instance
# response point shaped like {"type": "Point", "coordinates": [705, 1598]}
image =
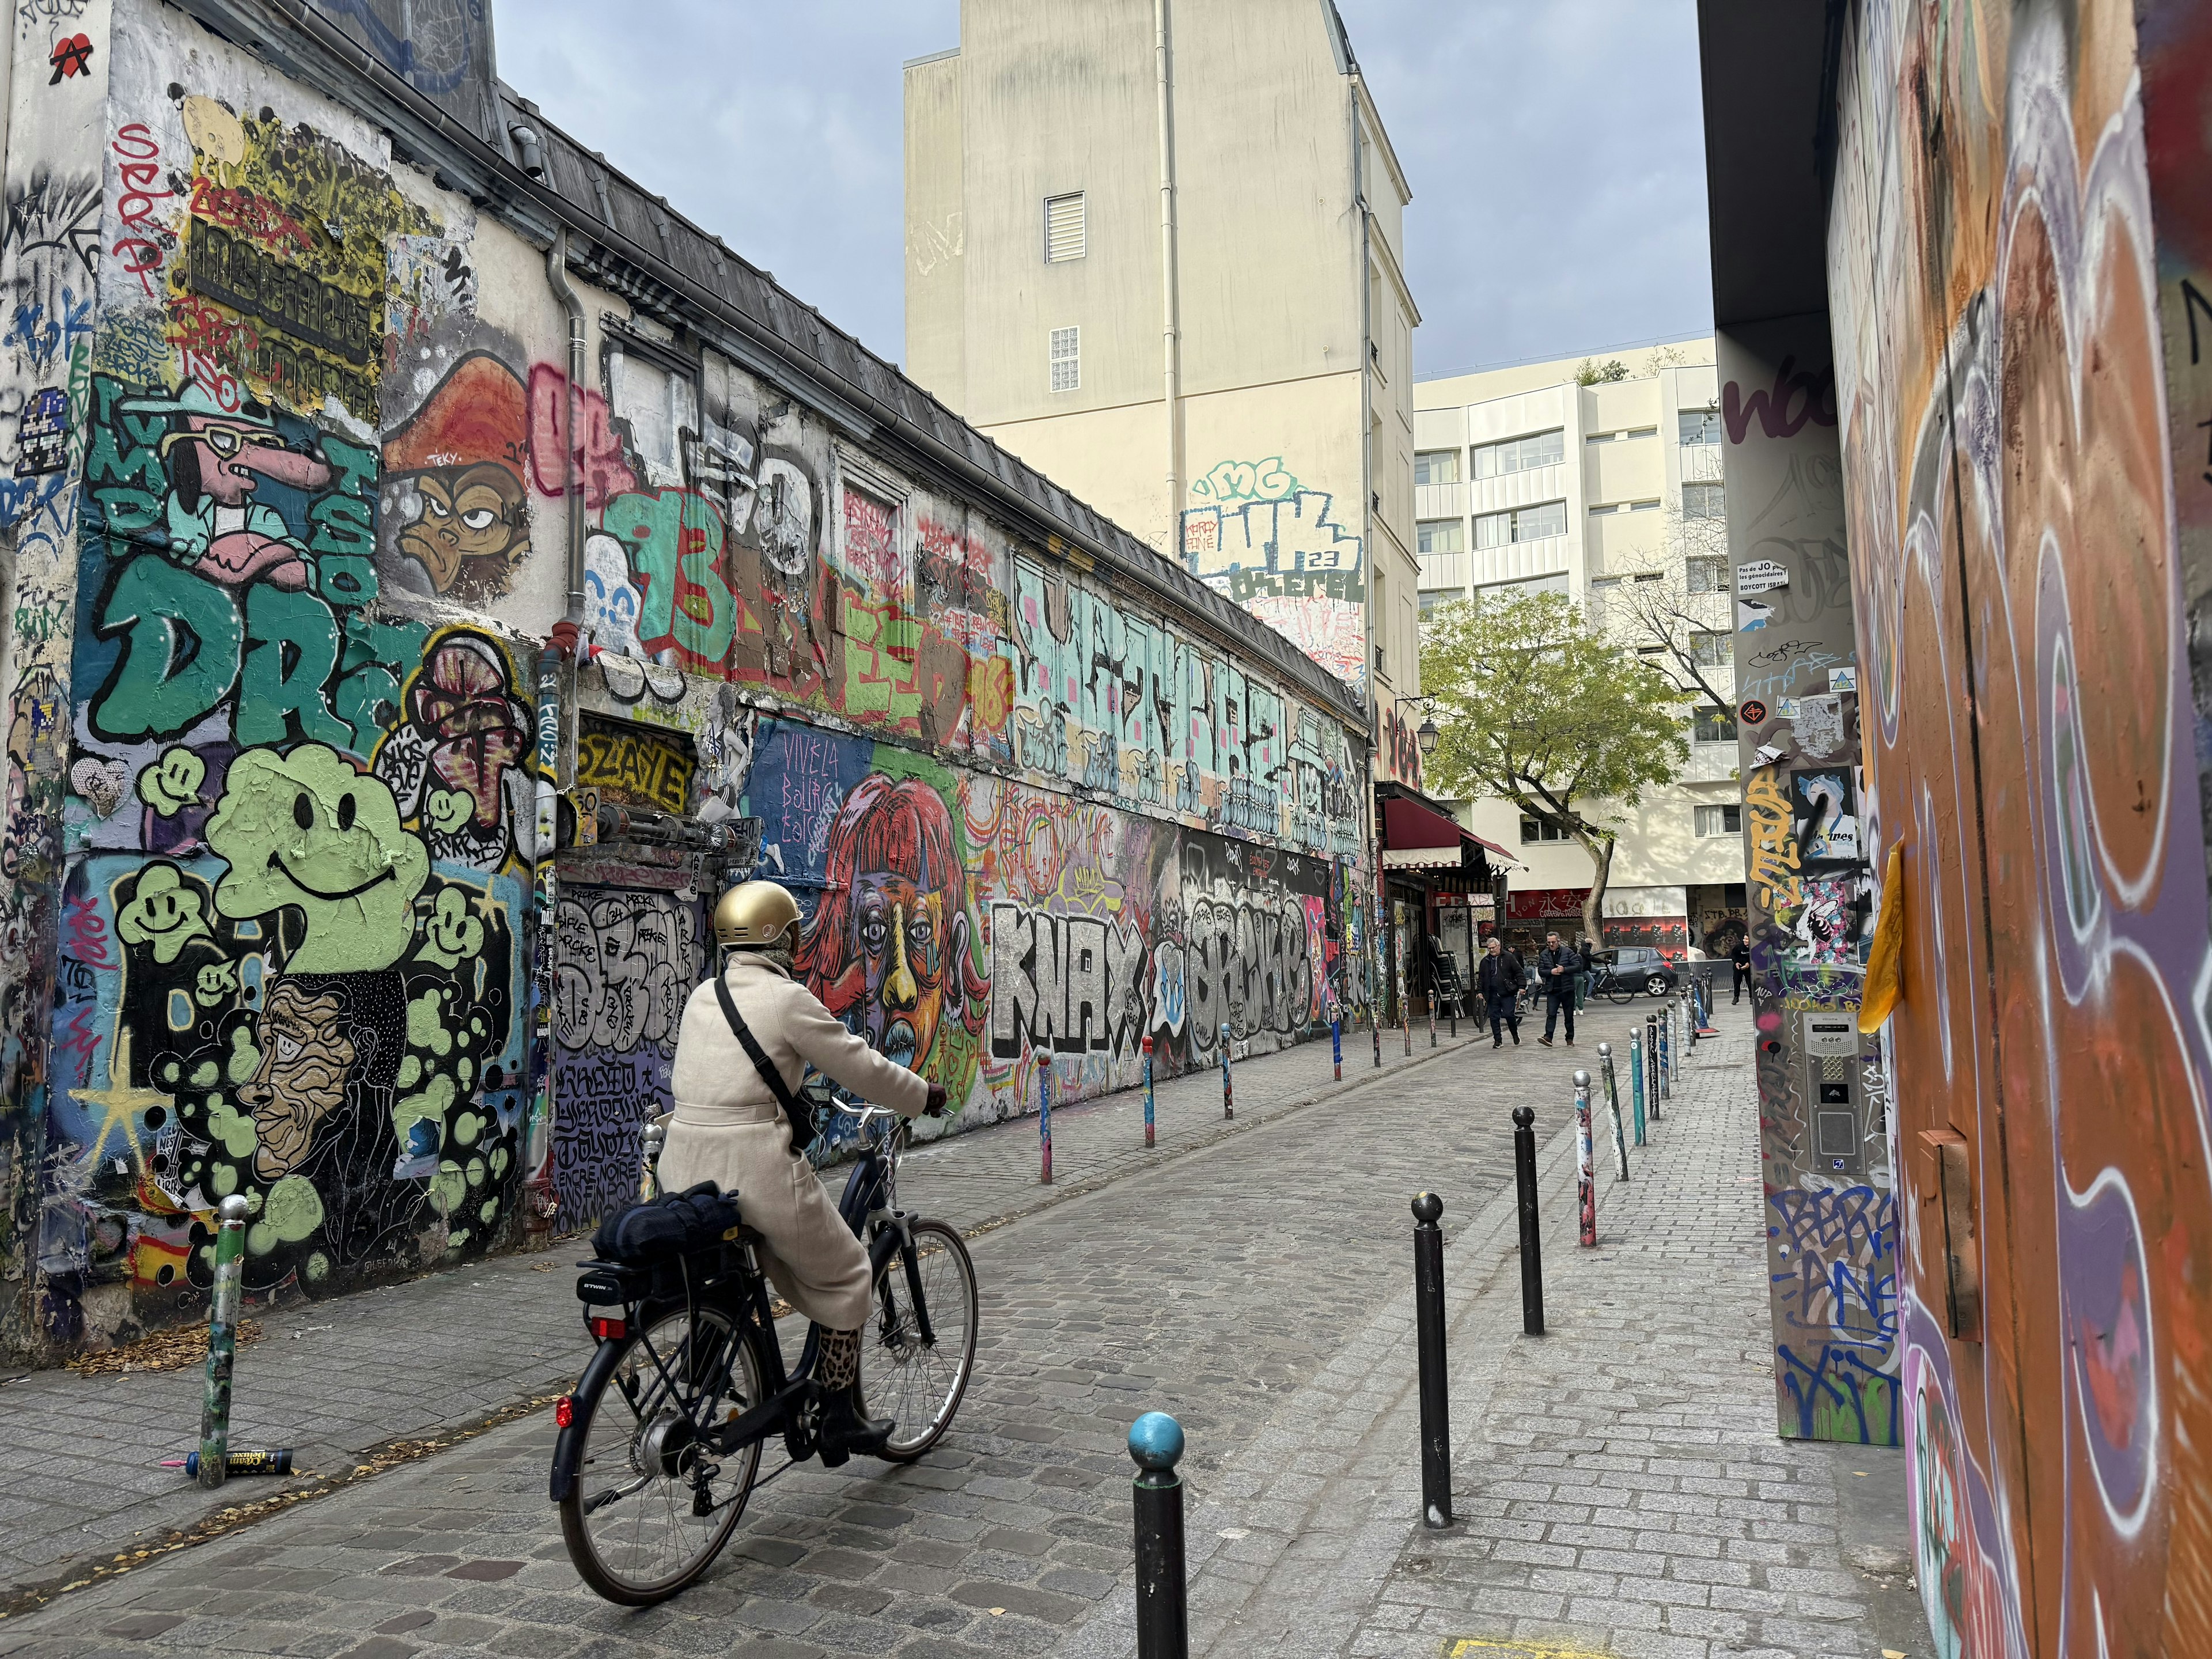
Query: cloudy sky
{"type": "Point", "coordinates": [1553, 148]}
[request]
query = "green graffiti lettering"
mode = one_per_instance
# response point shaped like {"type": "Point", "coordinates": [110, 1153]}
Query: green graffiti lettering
{"type": "Point", "coordinates": [355, 465]}
{"type": "Point", "coordinates": [180, 650]}
{"type": "Point", "coordinates": [123, 465]}
{"type": "Point", "coordinates": [294, 652]}
{"type": "Point", "coordinates": [342, 524]}
{"type": "Point", "coordinates": [348, 580]}
{"type": "Point", "coordinates": [676, 539]}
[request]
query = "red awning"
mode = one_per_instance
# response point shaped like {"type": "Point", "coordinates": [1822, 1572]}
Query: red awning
{"type": "Point", "coordinates": [1492, 847]}
{"type": "Point", "coordinates": [1408, 824]}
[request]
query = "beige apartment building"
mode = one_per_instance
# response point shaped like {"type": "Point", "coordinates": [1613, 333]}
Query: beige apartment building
{"type": "Point", "coordinates": [1154, 249]}
{"type": "Point", "coordinates": [1609, 492]}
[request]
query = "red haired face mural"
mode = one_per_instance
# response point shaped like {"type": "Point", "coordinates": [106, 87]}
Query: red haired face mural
{"type": "Point", "coordinates": [888, 943]}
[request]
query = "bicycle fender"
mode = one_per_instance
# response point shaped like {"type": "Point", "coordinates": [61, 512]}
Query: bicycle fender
{"type": "Point", "coordinates": [568, 1447]}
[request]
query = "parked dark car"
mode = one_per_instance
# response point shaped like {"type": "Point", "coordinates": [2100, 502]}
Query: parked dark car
{"type": "Point", "coordinates": [1638, 965]}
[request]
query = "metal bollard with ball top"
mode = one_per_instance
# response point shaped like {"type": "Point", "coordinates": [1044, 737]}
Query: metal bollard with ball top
{"type": "Point", "coordinates": [1532, 1257]}
{"type": "Point", "coordinates": [223, 1341]}
{"type": "Point", "coordinates": [1148, 1091]}
{"type": "Point", "coordinates": [1613, 1107]}
{"type": "Point", "coordinates": [1436, 1395]}
{"type": "Point", "coordinates": [1155, 1443]}
{"type": "Point", "coordinates": [1585, 1163]}
{"type": "Point", "coordinates": [1228, 1090]}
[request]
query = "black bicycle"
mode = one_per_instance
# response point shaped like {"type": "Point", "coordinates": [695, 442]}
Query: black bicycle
{"type": "Point", "coordinates": [660, 1443]}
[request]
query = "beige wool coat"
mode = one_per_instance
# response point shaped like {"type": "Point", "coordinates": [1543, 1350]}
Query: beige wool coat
{"type": "Point", "coordinates": [727, 1128]}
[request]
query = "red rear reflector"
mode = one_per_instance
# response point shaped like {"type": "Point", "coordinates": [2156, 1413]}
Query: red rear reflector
{"type": "Point", "coordinates": [608, 1329]}
{"type": "Point", "coordinates": [564, 1411]}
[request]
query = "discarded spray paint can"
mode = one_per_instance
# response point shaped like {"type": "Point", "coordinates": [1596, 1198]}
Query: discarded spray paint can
{"type": "Point", "coordinates": [223, 1341]}
{"type": "Point", "coordinates": [238, 1461]}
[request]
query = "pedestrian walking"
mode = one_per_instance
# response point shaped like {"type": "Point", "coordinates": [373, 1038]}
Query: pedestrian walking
{"type": "Point", "coordinates": [1739, 961]}
{"type": "Point", "coordinates": [1587, 956]}
{"type": "Point", "coordinates": [1500, 976]}
{"type": "Point", "coordinates": [1557, 966]}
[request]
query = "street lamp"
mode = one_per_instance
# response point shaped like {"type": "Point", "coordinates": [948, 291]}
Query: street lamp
{"type": "Point", "coordinates": [1427, 736]}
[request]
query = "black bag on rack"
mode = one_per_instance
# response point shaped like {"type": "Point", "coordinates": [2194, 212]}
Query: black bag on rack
{"type": "Point", "coordinates": [662, 1229]}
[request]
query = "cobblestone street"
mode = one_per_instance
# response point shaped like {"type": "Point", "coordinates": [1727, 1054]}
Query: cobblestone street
{"type": "Point", "coordinates": [1256, 1286]}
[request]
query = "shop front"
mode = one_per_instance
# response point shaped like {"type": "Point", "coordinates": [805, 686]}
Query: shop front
{"type": "Point", "coordinates": [1432, 868]}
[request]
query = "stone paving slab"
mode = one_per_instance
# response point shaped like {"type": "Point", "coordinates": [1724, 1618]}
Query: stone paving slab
{"type": "Point", "coordinates": [1620, 1489]}
{"type": "Point", "coordinates": [1217, 1286]}
{"type": "Point", "coordinates": [433, 1355]}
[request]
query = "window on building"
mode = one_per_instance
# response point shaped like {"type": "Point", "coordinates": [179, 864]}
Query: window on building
{"type": "Point", "coordinates": [1067, 359]}
{"type": "Point", "coordinates": [1533, 830]}
{"type": "Point", "coordinates": [1519, 454]}
{"type": "Point", "coordinates": [1436, 466]}
{"type": "Point", "coordinates": [1703, 500]}
{"type": "Point", "coordinates": [1440, 535]}
{"type": "Point", "coordinates": [1720, 820]}
{"type": "Point", "coordinates": [1711, 725]}
{"type": "Point", "coordinates": [1522, 524]}
{"type": "Point", "coordinates": [1431, 601]}
{"type": "Point", "coordinates": [1644, 507]}
{"type": "Point", "coordinates": [1701, 426]}
{"type": "Point", "coordinates": [1707, 575]}
{"type": "Point", "coordinates": [1065, 233]}
{"type": "Point", "coordinates": [1636, 432]}
{"type": "Point", "coordinates": [1712, 650]}
{"type": "Point", "coordinates": [1601, 592]}
{"type": "Point", "coordinates": [1555, 583]}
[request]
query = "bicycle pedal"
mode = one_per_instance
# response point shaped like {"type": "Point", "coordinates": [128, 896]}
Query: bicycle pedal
{"type": "Point", "coordinates": [835, 1458]}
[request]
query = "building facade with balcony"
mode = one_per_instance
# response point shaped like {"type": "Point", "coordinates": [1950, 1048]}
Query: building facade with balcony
{"type": "Point", "coordinates": [1600, 478]}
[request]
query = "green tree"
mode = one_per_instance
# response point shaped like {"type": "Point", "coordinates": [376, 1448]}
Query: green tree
{"type": "Point", "coordinates": [1590, 372]}
{"type": "Point", "coordinates": [1533, 705]}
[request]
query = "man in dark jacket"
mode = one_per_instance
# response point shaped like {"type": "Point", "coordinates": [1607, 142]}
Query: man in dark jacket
{"type": "Point", "coordinates": [1499, 977]}
{"type": "Point", "coordinates": [1740, 960]}
{"type": "Point", "coordinates": [1558, 966]}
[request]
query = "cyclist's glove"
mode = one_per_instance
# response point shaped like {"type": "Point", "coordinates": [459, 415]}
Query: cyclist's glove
{"type": "Point", "coordinates": [936, 1106]}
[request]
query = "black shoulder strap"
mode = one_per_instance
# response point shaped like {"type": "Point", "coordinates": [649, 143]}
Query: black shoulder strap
{"type": "Point", "coordinates": [746, 1041]}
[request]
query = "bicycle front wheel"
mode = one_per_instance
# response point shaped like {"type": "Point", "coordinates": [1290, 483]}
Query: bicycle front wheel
{"type": "Point", "coordinates": [1619, 991]}
{"type": "Point", "coordinates": [917, 1367]}
{"type": "Point", "coordinates": [653, 1504]}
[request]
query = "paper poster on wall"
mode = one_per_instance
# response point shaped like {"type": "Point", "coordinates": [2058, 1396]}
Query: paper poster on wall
{"type": "Point", "coordinates": [1843, 679]}
{"type": "Point", "coordinates": [1752, 613]}
{"type": "Point", "coordinates": [1827, 810]}
{"type": "Point", "coordinates": [1760, 575]}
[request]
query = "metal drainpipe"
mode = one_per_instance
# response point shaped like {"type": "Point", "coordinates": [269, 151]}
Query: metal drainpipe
{"type": "Point", "coordinates": [555, 666]}
{"type": "Point", "coordinates": [1367, 510]}
{"type": "Point", "coordinates": [1169, 300]}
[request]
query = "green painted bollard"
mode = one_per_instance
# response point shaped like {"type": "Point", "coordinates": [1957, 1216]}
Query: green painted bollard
{"type": "Point", "coordinates": [1636, 1081]}
{"type": "Point", "coordinates": [223, 1339]}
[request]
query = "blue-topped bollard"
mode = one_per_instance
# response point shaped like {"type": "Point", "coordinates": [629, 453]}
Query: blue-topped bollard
{"type": "Point", "coordinates": [1163, 1616]}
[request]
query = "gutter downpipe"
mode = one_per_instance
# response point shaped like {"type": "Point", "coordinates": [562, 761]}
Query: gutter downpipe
{"type": "Point", "coordinates": [1381, 937]}
{"type": "Point", "coordinates": [556, 665]}
{"type": "Point", "coordinates": [1170, 303]}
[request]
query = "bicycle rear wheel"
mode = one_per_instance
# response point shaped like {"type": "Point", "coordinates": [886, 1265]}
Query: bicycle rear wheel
{"type": "Point", "coordinates": [652, 1504]}
{"type": "Point", "coordinates": [1619, 991]}
{"type": "Point", "coordinates": [916, 1378]}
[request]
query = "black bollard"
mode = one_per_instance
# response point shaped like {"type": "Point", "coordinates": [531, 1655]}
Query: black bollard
{"type": "Point", "coordinates": [1163, 1617]}
{"type": "Point", "coordinates": [1436, 1393]}
{"type": "Point", "coordinates": [1531, 1258]}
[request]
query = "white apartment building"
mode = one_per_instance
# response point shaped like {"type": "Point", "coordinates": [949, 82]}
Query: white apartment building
{"type": "Point", "coordinates": [1525, 477]}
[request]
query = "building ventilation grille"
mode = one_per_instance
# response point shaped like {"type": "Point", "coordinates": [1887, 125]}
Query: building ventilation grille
{"type": "Point", "coordinates": [1063, 228]}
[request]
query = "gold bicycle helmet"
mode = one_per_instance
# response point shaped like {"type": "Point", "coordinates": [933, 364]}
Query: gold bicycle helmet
{"type": "Point", "coordinates": [754, 914]}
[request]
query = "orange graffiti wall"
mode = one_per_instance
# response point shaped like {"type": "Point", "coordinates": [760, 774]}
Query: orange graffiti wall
{"type": "Point", "coordinates": [2017, 251]}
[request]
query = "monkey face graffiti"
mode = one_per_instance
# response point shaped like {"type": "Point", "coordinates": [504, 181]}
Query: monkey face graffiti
{"type": "Point", "coordinates": [468, 513]}
{"type": "Point", "coordinates": [306, 830]}
{"type": "Point", "coordinates": [301, 1077]}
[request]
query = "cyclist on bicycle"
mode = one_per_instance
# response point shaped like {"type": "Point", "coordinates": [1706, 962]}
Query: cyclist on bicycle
{"type": "Point", "coordinates": [728, 1129]}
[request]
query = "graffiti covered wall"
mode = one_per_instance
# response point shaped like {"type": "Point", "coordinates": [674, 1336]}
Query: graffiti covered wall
{"type": "Point", "coordinates": [2017, 278]}
{"type": "Point", "coordinates": [292, 433]}
{"type": "Point", "coordinates": [1831, 1214]}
